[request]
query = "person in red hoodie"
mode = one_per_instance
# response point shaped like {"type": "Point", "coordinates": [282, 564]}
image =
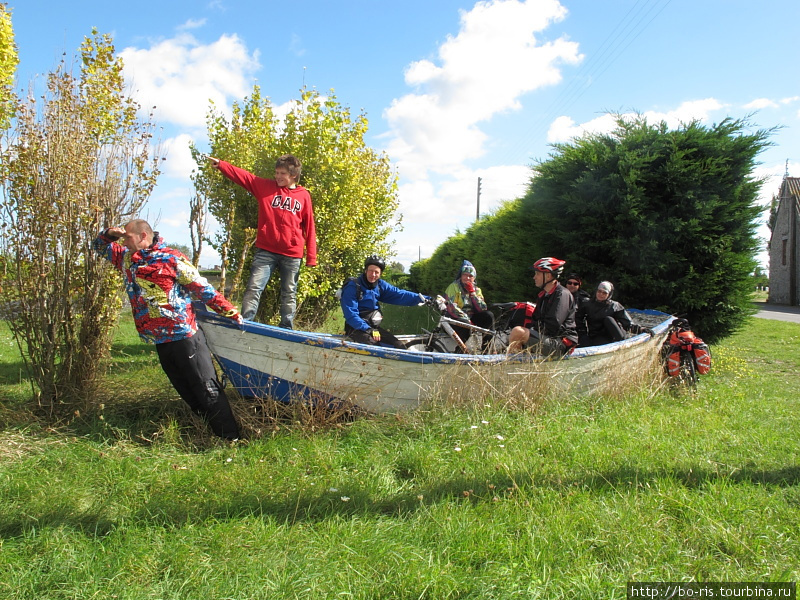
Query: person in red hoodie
{"type": "Point", "coordinates": [285, 230]}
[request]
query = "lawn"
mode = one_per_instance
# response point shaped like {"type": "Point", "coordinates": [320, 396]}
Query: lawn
{"type": "Point", "coordinates": [572, 500]}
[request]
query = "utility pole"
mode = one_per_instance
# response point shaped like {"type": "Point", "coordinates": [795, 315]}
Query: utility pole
{"type": "Point", "coordinates": [478, 208]}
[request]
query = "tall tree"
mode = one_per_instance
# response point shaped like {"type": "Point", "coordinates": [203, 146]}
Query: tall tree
{"type": "Point", "coordinates": [8, 66]}
{"type": "Point", "coordinates": [353, 188]}
{"type": "Point", "coordinates": [670, 216]}
{"type": "Point", "coordinates": [79, 159]}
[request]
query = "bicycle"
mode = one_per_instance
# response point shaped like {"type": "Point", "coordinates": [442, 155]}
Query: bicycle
{"type": "Point", "coordinates": [685, 355]}
{"type": "Point", "coordinates": [444, 338]}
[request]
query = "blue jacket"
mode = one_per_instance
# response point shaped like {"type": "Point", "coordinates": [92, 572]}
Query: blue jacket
{"type": "Point", "coordinates": [370, 295]}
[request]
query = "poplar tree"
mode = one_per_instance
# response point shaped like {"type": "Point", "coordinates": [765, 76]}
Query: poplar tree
{"type": "Point", "coordinates": [8, 65]}
{"type": "Point", "coordinates": [353, 190]}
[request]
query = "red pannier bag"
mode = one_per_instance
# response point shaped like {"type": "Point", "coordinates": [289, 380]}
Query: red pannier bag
{"type": "Point", "coordinates": [702, 356]}
{"type": "Point", "coordinates": [685, 339]}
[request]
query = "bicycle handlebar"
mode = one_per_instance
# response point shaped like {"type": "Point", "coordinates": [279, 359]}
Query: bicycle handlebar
{"type": "Point", "coordinates": [465, 324]}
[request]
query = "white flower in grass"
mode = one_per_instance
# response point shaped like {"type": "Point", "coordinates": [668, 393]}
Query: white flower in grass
{"type": "Point", "coordinates": [485, 422]}
{"type": "Point", "coordinates": [345, 498]}
{"type": "Point", "coordinates": [500, 437]}
{"type": "Point", "coordinates": [333, 490]}
{"type": "Point", "coordinates": [229, 460]}
{"type": "Point", "coordinates": [457, 449]}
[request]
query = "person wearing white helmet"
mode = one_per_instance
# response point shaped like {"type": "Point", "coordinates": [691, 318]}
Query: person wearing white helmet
{"type": "Point", "coordinates": [552, 332]}
{"type": "Point", "coordinates": [602, 320]}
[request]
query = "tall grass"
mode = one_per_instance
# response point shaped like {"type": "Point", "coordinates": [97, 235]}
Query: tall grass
{"type": "Point", "coordinates": [569, 499]}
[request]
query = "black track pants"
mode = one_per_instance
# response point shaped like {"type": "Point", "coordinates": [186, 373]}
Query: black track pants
{"type": "Point", "coordinates": [189, 368]}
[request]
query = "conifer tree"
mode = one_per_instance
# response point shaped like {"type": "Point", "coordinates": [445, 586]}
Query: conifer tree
{"type": "Point", "coordinates": [670, 216]}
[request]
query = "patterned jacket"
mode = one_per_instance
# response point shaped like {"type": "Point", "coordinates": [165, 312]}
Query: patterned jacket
{"type": "Point", "coordinates": [460, 304]}
{"type": "Point", "coordinates": [161, 283]}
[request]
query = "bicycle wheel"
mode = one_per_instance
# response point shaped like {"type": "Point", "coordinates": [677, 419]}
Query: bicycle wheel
{"type": "Point", "coordinates": [437, 346]}
{"type": "Point", "coordinates": [688, 374]}
{"type": "Point", "coordinates": [426, 344]}
{"type": "Point", "coordinates": [417, 344]}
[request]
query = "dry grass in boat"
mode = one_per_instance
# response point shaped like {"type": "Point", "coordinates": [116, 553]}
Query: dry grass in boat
{"type": "Point", "coordinates": [526, 386]}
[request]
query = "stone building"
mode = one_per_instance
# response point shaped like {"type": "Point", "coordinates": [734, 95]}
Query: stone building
{"type": "Point", "coordinates": [784, 246]}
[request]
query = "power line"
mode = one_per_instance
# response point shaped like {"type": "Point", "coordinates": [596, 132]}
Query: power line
{"type": "Point", "coordinates": [627, 30]}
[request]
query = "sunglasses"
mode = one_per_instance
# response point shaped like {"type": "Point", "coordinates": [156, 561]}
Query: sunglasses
{"type": "Point", "coordinates": [573, 283]}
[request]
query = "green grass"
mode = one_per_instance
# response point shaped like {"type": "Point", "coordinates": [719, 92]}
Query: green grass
{"type": "Point", "coordinates": [571, 501]}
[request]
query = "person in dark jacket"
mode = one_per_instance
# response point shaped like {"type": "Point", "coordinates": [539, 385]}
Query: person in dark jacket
{"type": "Point", "coordinates": [552, 332]}
{"type": "Point", "coordinates": [602, 320]}
{"type": "Point", "coordinates": [573, 284]}
{"type": "Point", "coordinates": [360, 298]}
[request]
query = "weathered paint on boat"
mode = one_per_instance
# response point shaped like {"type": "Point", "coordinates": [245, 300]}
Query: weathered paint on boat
{"type": "Point", "coordinates": [263, 360]}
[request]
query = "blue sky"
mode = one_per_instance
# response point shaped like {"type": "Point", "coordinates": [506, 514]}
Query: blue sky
{"type": "Point", "coordinates": [453, 89]}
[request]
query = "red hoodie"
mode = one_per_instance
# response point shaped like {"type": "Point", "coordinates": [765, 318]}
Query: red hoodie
{"type": "Point", "coordinates": [285, 215]}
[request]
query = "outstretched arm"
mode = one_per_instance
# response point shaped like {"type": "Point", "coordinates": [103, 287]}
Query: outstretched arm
{"type": "Point", "coordinates": [199, 287]}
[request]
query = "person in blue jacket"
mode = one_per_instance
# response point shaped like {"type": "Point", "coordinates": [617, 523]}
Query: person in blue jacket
{"type": "Point", "coordinates": [360, 300]}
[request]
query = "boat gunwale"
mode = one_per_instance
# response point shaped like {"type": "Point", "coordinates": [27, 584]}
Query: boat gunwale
{"type": "Point", "coordinates": [340, 343]}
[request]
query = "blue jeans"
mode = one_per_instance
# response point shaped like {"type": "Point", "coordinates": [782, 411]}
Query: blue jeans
{"type": "Point", "coordinates": [264, 263]}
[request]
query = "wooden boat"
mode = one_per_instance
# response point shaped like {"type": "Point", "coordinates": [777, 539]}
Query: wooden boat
{"type": "Point", "coordinates": [266, 361]}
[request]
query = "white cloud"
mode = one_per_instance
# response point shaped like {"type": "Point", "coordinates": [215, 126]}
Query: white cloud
{"type": "Point", "coordinates": [760, 103]}
{"type": "Point", "coordinates": [180, 76]}
{"type": "Point", "coordinates": [192, 24]}
{"type": "Point", "coordinates": [482, 71]}
{"type": "Point", "coordinates": [435, 131]}
{"type": "Point", "coordinates": [433, 209]}
{"type": "Point", "coordinates": [564, 128]}
{"type": "Point", "coordinates": [179, 163]}
{"type": "Point", "coordinates": [691, 110]}
{"type": "Point", "coordinates": [500, 183]}
{"type": "Point", "coordinates": [296, 45]}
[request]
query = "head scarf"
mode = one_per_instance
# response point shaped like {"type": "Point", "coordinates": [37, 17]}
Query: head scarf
{"type": "Point", "coordinates": [467, 267]}
{"type": "Point", "coordinates": [606, 286]}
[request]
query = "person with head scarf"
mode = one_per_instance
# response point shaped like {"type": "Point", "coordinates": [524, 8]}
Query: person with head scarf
{"type": "Point", "coordinates": [465, 303]}
{"type": "Point", "coordinates": [602, 320]}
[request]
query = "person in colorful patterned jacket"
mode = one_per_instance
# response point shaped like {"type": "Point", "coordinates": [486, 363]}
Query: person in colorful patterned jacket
{"type": "Point", "coordinates": [161, 283]}
{"type": "Point", "coordinates": [465, 303]}
{"type": "Point", "coordinates": [285, 229]}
